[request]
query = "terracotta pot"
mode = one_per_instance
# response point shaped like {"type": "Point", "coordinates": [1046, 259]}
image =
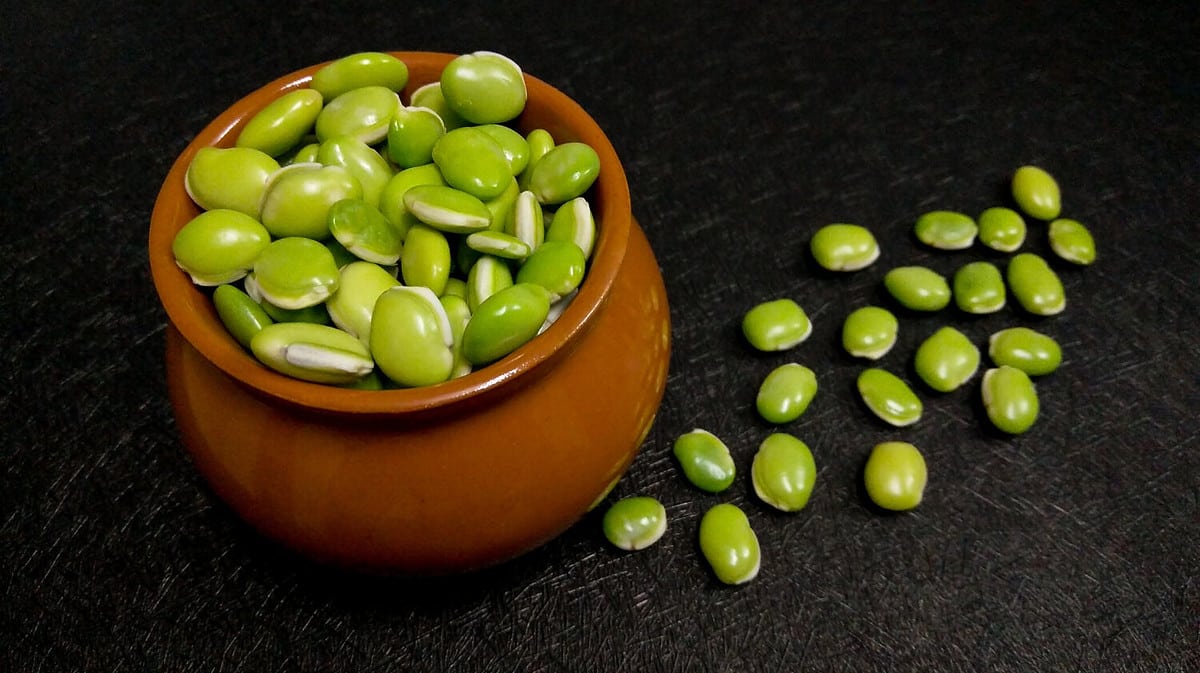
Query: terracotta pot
{"type": "Point", "coordinates": [442, 479]}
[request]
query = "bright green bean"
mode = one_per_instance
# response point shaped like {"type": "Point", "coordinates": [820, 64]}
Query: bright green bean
{"type": "Point", "coordinates": [844, 247]}
{"type": "Point", "coordinates": [946, 360]}
{"type": "Point", "coordinates": [895, 476]}
{"type": "Point", "coordinates": [1036, 193]}
{"type": "Point", "coordinates": [786, 393]}
{"type": "Point", "coordinates": [1032, 352]}
{"type": "Point", "coordinates": [705, 460]}
{"type": "Point", "coordinates": [918, 288]}
{"type": "Point", "coordinates": [635, 523]}
{"type": "Point", "coordinates": [1035, 285]}
{"type": "Point", "coordinates": [946, 230]}
{"type": "Point", "coordinates": [1010, 399]}
{"type": "Point", "coordinates": [1072, 241]}
{"type": "Point", "coordinates": [979, 288]}
{"type": "Point", "coordinates": [783, 472]}
{"type": "Point", "coordinates": [776, 325]}
{"type": "Point", "coordinates": [729, 544]}
{"type": "Point", "coordinates": [870, 332]}
{"type": "Point", "coordinates": [889, 397]}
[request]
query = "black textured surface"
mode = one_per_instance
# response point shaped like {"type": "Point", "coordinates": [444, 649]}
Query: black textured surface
{"type": "Point", "coordinates": [1075, 547]}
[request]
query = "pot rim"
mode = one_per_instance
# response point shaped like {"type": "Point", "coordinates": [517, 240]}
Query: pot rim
{"type": "Point", "coordinates": [190, 309]}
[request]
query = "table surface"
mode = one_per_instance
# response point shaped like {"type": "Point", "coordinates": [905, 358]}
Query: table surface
{"type": "Point", "coordinates": [1074, 547]}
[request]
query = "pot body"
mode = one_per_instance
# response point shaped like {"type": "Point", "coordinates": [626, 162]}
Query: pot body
{"type": "Point", "coordinates": [473, 484]}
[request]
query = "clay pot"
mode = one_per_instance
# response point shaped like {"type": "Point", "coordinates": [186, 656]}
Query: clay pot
{"type": "Point", "coordinates": [441, 479]}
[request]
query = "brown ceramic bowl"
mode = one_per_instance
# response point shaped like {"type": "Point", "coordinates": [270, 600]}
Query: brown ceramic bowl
{"type": "Point", "coordinates": [441, 479]}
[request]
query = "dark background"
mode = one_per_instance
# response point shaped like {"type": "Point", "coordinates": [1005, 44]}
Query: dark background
{"type": "Point", "coordinates": [1075, 547]}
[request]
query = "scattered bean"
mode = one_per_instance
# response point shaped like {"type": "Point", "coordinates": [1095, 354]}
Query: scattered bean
{"type": "Point", "coordinates": [1072, 241]}
{"type": "Point", "coordinates": [1035, 285]}
{"type": "Point", "coordinates": [1001, 229]}
{"type": "Point", "coordinates": [729, 544]}
{"type": "Point", "coordinates": [1032, 352]}
{"type": "Point", "coordinates": [635, 523]}
{"type": "Point", "coordinates": [895, 476]}
{"type": "Point", "coordinates": [946, 230]}
{"type": "Point", "coordinates": [1036, 193]}
{"type": "Point", "coordinates": [786, 393]}
{"type": "Point", "coordinates": [918, 288]}
{"type": "Point", "coordinates": [705, 460]}
{"type": "Point", "coordinates": [870, 332]}
{"type": "Point", "coordinates": [844, 247]}
{"type": "Point", "coordinates": [776, 325]}
{"type": "Point", "coordinates": [889, 397]}
{"type": "Point", "coordinates": [979, 288]}
{"type": "Point", "coordinates": [946, 360]}
{"type": "Point", "coordinates": [1010, 399]}
{"type": "Point", "coordinates": [783, 472]}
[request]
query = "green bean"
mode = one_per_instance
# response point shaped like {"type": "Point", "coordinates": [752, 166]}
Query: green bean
{"type": "Point", "coordinates": [946, 230]}
{"type": "Point", "coordinates": [1032, 352]}
{"type": "Point", "coordinates": [364, 232]}
{"type": "Point", "coordinates": [1010, 399]}
{"type": "Point", "coordinates": [369, 68]}
{"type": "Point", "coordinates": [1001, 229]}
{"type": "Point", "coordinates": [425, 259]}
{"type": "Point", "coordinates": [946, 360]}
{"type": "Point", "coordinates": [295, 272]}
{"type": "Point", "coordinates": [889, 397]}
{"type": "Point", "coordinates": [233, 178]}
{"type": "Point", "coordinates": [412, 134]}
{"type": "Point", "coordinates": [1072, 241]}
{"type": "Point", "coordinates": [472, 161]}
{"type": "Point", "coordinates": [635, 523]}
{"type": "Point", "coordinates": [447, 209]}
{"type": "Point", "coordinates": [489, 274]}
{"type": "Point", "coordinates": [564, 173]}
{"type": "Point", "coordinates": [219, 246]}
{"type": "Point", "coordinates": [504, 322]}
{"type": "Point", "coordinates": [574, 222]}
{"type": "Point", "coordinates": [1035, 285]}
{"type": "Point", "coordinates": [979, 288]}
{"type": "Point", "coordinates": [705, 460]}
{"type": "Point", "coordinates": [786, 393]}
{"type": "Point", "coordinates": [776, 325]}
{"type": "Point", "coordinates": [364, 113]}
{"type": "Point", "coordinates": [870, 332]}
{"type": "Point", "coordinates": [1036, 193]}
{"type": "Point", "coordinates": [283, 123]}
{"type": "Point", "coordinates": [895, 476]}
{"type": "Point", "coordinates": [240, 314]}
{"type": "Point", "coordinates": [557, 266]}
{"type": "Point", "coordinates": [411, 337]}
{"type": "Point", "coordinates": [484, 87]}
{"type": "Point", "coordinates": [918, 288]}
{"type": "Point", "coordinates": [311, 352]}
{"type": "Point", "coordinates": [297, 199]}
{"type": "Point", "coordinates": [844, 247]}
{"type": "Point", "coordinates": [783, 472]}
{"type": "Point", "coordinates": [729, 544]}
